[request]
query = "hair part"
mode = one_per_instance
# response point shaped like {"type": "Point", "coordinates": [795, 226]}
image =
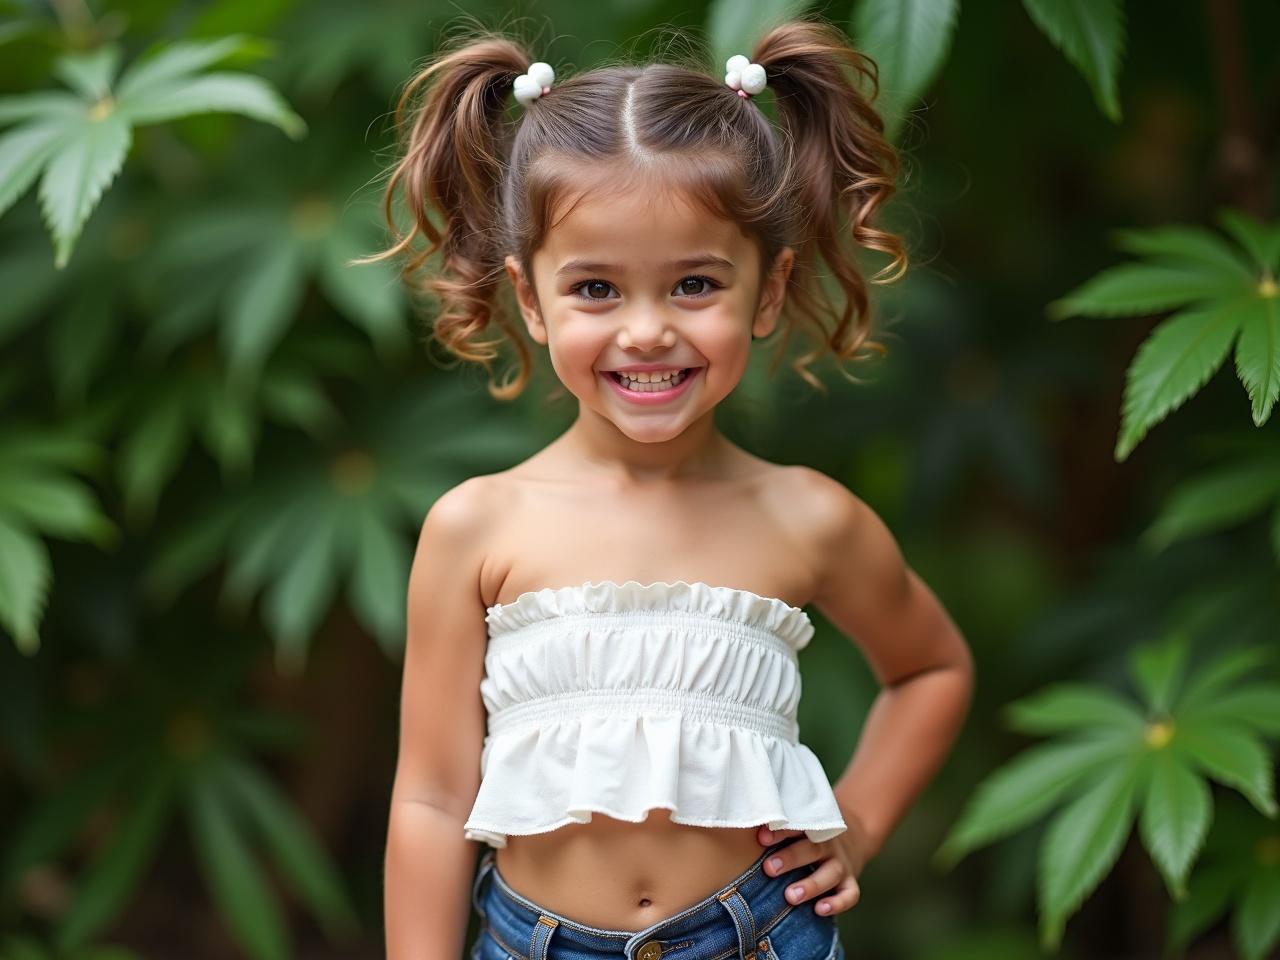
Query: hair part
{"type": "Point", "coordinates": [814, 182]}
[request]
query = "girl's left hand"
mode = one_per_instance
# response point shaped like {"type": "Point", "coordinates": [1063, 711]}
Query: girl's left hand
{"type": "Point", "coordinates": [840, 860]}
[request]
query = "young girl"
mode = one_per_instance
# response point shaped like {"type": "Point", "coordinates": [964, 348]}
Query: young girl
{"type": "Point", "coordinates": [623, 610]}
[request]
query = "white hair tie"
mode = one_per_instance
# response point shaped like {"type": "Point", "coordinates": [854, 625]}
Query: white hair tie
{"type": "Point", "coordinates": [534, 82]}
{"type": "Point", "coordinates": [744, 76]}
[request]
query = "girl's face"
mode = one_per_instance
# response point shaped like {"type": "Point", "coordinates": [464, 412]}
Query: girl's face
{"type": "Point", "coordinates": [639, 280]}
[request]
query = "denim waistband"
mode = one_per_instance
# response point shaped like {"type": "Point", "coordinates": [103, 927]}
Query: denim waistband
{"type": "Point", "coordinates": [734, 921]}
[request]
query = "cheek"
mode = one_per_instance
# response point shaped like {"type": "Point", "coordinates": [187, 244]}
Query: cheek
{"type": "Point", "coordinates": [576, 347]}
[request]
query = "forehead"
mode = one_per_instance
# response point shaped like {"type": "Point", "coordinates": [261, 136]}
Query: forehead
{"type": "Point", "coordinates": [638, 224]}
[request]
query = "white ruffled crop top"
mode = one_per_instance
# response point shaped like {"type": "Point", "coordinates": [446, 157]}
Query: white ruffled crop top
{"type": "Point", "coordinates": [618, 698]}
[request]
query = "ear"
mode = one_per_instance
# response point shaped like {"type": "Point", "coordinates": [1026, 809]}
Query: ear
{"type": "Point", "coordinates": [773, 293]}
{"type": "Point", "coordinates": [527, 298]}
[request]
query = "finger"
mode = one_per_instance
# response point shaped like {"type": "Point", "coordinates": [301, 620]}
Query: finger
{"type": "Point", "coordinates": [791, 856]}
{"type": "Point", "coordinates": [843, 897]}
{"type": "Point", "coordinates": [830, 872]}
{"type": "Point", "coordinates": [767, 836]}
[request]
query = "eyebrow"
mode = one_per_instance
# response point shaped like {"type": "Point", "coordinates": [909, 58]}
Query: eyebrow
{"type": "Point", "coordinates": [689, 263]}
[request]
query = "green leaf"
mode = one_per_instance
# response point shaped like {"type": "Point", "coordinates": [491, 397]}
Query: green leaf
{"type": "Point", "coordinates": [89, 74]}
{"type": "Point", "coordinates": [1091, 35]}
{"type": "Point", "coordinates": [298, 599]}
{"type": "Point", "coordinates": [1208, 894]}
{"type": "Point", "coordinates": [1231, 755]}
{"type": "Point", "coordinates": [240, 93]}
{"type": "Point", "coordinates": [1080, 846]}
{"type": "Point", "coordinates": [87, 160]}
{"type": "Point", "coordinates": [261, 306]}
{"type": "Point", "coordinates": [1213, 679]}
{"type": "Point", "coordinates": [302, 860]}
{"type": "Point", "coordinates": [173, 61]}
{"type": "Point", "coordinates": [49, 827]}
{"type": "Point", "coordinates": [1137, 288]}
{"type": "Point", "coordinates": [1173, 363]}
{"type": "Point", "coordinates": [83, 334]}
{"type": "Point", "coordinates": [1256, 925]}
{"type": "Point", "coordinates": [46, 105]}
{"type": "Point", "coordinates": [57, 504]}
{"type": "Point", "coordinates": [1259, 241]}
{"type": "Point", "coordinates": [230, 429]}
{"type": "Point", "coordinates": [370, 294]}
{"type": "Point", "coordinates": [1158, 669]}
{"type": "Point", "coordinates": [380, 576]}
{"type": "Point", "coordinates": [241, 893]}
{"type": "Point", "coordinates": [25, 575]}
{"type": "Point", "coordinates": [27, 446]}
{"type": "Point", "coordinates": [262, 544]}
{"type": "Point", "coordinates": [298, 399]}
{"type": "Point", "coordinates": [1186, 247]}
{"type": "Point", "coordinates": [1256, 705]}
{"type": "Point", "coordinates": [188, 554]}
{"type": "Point", "coordinates": [1175, 818]}
{"type": "Point", "coordinates": [1070, 706]}
{"type": "Point", "coordinates": [151, 456]}
{"type": "Point", "coordinates": [23, 153]}
{"type": "Point", "coordinates": [1023, 788]}
{"type": "Point", "coordinates": [909, 43]}
{"type": "Point", "coordinates": [1215, 500]}
{"type": "Point", "coordinates": [1258, 356]}
{"type": "Point", "coordinates": [735, 27]}
{"type": "Point", "coordinates": [109, 883]}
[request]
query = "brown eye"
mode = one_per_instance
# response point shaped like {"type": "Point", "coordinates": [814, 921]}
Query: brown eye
{"type": "Point", "coordinates": [593, 287]}
{"type": "Point", "coordinates": [696, 286]}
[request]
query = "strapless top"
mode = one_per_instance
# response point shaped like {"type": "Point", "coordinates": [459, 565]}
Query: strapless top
{"type": "Point", "coordinates": [619, 698]}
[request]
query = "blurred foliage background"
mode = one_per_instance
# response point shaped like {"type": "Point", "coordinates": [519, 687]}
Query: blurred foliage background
{"type": "Point", "coordinates": [218, 440]}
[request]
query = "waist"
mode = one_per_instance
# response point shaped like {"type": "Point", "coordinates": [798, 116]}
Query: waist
{"type": "Point", "coordinates": [600, 922]}
{"type": "Point", "coordinates": [637, 701]}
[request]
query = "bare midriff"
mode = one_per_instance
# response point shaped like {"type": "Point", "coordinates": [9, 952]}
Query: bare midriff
{"type": "Point", "coordinates": [618, 875]}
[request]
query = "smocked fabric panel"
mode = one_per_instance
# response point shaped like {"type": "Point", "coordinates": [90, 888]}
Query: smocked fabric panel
{"type": "Point", "coordinates": [620, 698]}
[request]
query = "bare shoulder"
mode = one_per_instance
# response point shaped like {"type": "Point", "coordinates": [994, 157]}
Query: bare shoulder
{"type": "Point", "coordinates": [454, 536]}
{"type": "Point", "coordinates": [819, 508]}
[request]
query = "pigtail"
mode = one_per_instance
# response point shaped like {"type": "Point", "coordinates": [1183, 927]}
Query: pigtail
{"type": "Point", "coordinates": [840, 168]}
{"type": "Point", "coordinates": [455, 142]}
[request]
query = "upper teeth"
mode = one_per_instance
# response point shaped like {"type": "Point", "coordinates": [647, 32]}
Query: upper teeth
{"type": "Point", "coordinates": [653, 377]}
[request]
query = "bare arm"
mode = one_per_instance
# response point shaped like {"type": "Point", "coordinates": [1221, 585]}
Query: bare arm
{"type": "Point", "coordinates": [429, 865]}
{"type": "Point", "coordinates": [917, 654]}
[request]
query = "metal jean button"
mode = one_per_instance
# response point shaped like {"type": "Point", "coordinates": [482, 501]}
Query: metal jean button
{"type": "Point", "coordinates": [650, 951]}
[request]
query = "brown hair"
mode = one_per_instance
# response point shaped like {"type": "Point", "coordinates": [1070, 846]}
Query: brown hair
{"type": "Point", "coordinates": [493, 181]}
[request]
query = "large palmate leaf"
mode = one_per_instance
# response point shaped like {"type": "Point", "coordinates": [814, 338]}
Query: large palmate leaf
{"type": "Point", "coordinates": [908, 42]}
{"type": "Point", "coordinates": [339, 514]}
{"type": "Point", "coordinates": [1241, 875]}
{"type": "Point", "coordinates": [176, 740]}
{"type": "Point", "coordinates": [79, 140]}
{"type": "Point", "coordinates": [246, 266]}
{"type": "Point", "coordinates": [1090, 34]}
{"type": "Point", "coordinates": [1228, 295]}
{"type": "Point", "coordinates": [40, 494]}
{"type": "Point", "coordinates": [1217, 499]}
{"type": "Point", "coordinates": [1122, 760]}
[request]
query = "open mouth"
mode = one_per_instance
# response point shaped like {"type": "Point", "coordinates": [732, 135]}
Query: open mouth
{"type": "Point", "coordinates": [653, 387]}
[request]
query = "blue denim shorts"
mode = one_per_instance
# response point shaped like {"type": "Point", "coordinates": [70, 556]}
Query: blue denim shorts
{"type": "Point", "coordinates": [746, 919]}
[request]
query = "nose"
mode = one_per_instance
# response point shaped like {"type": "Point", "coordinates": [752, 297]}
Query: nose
{"type": "Point", "coordinates": [644, 330]}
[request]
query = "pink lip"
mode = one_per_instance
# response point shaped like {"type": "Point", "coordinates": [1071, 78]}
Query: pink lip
{"type": "Point", "coordinates": [656, 397]}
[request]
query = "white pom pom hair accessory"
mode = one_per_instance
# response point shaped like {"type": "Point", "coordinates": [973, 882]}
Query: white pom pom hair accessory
{"type": "Point", "coordinates": [534, 82]}
{"type": "Point", "coordinates": [744, 76]}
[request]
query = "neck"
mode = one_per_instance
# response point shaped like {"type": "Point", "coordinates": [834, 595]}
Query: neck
{"type": "Point", "coordinates": [696, 453]}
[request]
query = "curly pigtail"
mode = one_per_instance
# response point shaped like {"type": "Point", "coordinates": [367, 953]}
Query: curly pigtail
{"type": "Point", "coordinates": [454, 151]}
{"type": "Point", "coordinates": [840, 166]}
